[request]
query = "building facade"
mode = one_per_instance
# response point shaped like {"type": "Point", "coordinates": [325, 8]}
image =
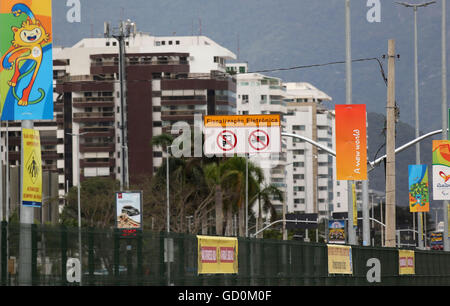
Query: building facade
{"type": "Point", "coordinates": [168, 79]}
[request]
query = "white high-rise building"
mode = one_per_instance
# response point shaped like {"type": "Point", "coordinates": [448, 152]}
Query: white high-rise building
{"type": "Point", "coordinates": [305, 174]}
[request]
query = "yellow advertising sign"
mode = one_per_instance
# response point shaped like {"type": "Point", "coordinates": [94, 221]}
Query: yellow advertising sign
{"type": "Point", "coordinates": [406, 262]}
{"type": "Point", "coordinates": [31, 168]}
{"type": "Point", "coordinates": [339, 259]}
{"type": "Point", "coordinates": [217, 255]}
{"type": "Point", "coordinates": [242, 120]}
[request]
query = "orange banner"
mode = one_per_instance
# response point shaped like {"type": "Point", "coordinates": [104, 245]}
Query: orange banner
{"type": "Point", "coordinates": [351, 142]}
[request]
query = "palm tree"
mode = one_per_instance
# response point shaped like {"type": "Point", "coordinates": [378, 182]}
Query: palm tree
{"type": "Point", "coordinates": [234, 180]}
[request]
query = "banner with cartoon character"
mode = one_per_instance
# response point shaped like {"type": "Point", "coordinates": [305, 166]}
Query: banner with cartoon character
{"type": "Point", "coordinates": [441, 170]}
{"type": "Point", "coordinates": [26, 63]}
{"type": "Point", "coordinates": [419, 199]}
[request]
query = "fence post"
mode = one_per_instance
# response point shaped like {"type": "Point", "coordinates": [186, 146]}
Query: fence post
{"type": "Point", "coordinates": [63, 255]}
{"type": "Point", "coordinates": [91, 264]}
{"type": "Point", "coordinates": [34, 248]}
{"type": "Point", "coordinates": [4, 257]}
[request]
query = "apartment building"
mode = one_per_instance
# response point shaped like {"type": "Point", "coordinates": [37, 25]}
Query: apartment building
{"type": "Point", "coordinates": [168, 79]}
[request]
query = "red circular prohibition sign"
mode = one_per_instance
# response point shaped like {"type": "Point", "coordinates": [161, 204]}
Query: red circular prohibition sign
{"type": "Point", "coordinates": [258, 139]}
{"type": "Point", "coordinates": [223, 140]}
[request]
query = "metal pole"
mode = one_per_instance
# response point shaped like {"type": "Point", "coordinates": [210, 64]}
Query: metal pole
{"type": "Point", "coordinates": [444, 109]}
{"type": "Point", "coordinates": [79, 205]}
{"type": "Point", "coordinates": [167, 193]}
{"type": "Point", "coordinates": [351, 229]}
{"type": "Point", "coordinates": [26, 219]}
{"type": "Point", "coordinates": [365, 213]}
{"type": "Point", "coordinates": [416, 107]}
{"type": "Point", "coordinates": [246, 195]}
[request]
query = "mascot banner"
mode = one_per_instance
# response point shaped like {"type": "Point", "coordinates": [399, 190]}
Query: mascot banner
{"type": "Point", "coordinates": [441, 170]}
{"type": "Point", "coordinates": [26, 63]}
{"type": "Point", "coordinates": [419, 199]}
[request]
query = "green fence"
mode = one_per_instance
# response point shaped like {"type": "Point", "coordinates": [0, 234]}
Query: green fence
{"type": "Point", "coordinates": [109, 259]}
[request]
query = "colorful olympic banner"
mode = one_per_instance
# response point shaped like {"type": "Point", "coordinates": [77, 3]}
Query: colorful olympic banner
{"type": "Point", "coordinates": [351, 142]}
{"type": "Point", "coordinates": [217, 255]}
{"type": "Point", "coordinates": [31, 169]}
{"type": "Point", "coordinates": [339, 259]}
{"type": "Point", "coordinates": [26, 65]}
{"type": "Point", "coordinates": [406, 262]}
{"type": "Point", "coordinates": [441, 169]}
{"type": "Point", "coordinates": [419, 198]}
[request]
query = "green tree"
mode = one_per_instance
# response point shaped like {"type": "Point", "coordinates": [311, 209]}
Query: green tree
{"type": "Point", "coordinates": [97, 202]}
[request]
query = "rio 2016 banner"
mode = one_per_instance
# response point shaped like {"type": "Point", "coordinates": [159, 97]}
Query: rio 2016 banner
{"type": "Point", "coordinates": [217, 255]}
{"type": "Point", "coordinates": [32, 168]}
{"type": "Point", "coordinates": [26, 64]}
{"type": "Point", "coordinates": [351, 143]}
{"type": "Point", "coordinates": [419, 199]}
{"type": "Point", "coordinates": [441, 169]}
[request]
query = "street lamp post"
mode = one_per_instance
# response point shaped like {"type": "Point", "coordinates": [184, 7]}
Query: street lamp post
{"type": "Point", "coordinates": [78, 194]}
{"type": "Point", "coordinates": [416, 98]}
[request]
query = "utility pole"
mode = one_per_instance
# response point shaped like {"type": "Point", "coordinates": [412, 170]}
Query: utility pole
{"type": "Point", "coordinates": [348, 61]}
{"type": "Point", "coordinates": [126, 29]}
{"type": "Point", "coordinates": [416, 101]}
{"type": "Point", "coordinates": [390, 149]}
{"type": "Point", "coordinates": [444, 109]}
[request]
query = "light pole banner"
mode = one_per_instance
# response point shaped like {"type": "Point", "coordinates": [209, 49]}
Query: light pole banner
{"type": "Point", "coordinates": [26, 65]}
{"type": "Point", "coordinates": [351, 142]}
{"type": "Point", "coordinates": [31, 168]}
{"type": "Point", "coordinates": [419, 198]}
{"type": "Point", "coordinates": [217, 255]}
{"type": "Point", "coordinates": [406, 262]}
{"type": "Point", "coordinates": [339, 259]}
{"type": "Point", "coordinates": [441, 169]}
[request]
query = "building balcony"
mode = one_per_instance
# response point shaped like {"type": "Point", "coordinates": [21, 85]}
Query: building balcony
{"type": "Point", "coordinates": [97, 164]}
{"type": "Point", "coordinates": [97, 147]}
{"type": "Point", "coordinates": [93, 102]}
{"type": "Point", "coordinates": [94, 117]}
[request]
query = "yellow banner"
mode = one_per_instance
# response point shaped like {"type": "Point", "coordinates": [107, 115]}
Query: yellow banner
{"type": "Point", "coordinates": [31, 168]}
{"type": "Point", "coordinates": [217, 255]}
{"type": "Point", "coordinates": [339, 259]}
{"type": "Point", "coordinates": [406, 262]}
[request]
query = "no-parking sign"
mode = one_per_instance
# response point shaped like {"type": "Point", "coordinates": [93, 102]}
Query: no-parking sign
{"type": "Point", "coordinates": [242, 134]}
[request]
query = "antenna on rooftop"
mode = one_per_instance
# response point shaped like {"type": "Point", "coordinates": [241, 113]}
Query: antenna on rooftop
{"type": "Point", "coordinates": [106, 29]}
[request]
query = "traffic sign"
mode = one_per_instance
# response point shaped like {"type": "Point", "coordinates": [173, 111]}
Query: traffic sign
{"type": "Point", "coordinates": [259, 140]}
{"type": "Point", "coordinates": [242, 134]}
{"type": "Point", "coordinates": [226, 140]}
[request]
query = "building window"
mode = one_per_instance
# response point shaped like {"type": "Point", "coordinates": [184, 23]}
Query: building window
{"type": "Point", "coordinates": [177, 42]}
{"type": "Point", "coordinates": [298, 127]}
{"type": "Point", "coordinates": [244, 98]}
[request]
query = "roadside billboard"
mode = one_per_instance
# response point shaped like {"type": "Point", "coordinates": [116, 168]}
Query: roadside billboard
{"type": "Point", "coordinates": [129, 212]}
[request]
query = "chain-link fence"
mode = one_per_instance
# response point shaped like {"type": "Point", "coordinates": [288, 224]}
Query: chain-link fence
{"type": "Point", "coordinates": [160, 259]}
